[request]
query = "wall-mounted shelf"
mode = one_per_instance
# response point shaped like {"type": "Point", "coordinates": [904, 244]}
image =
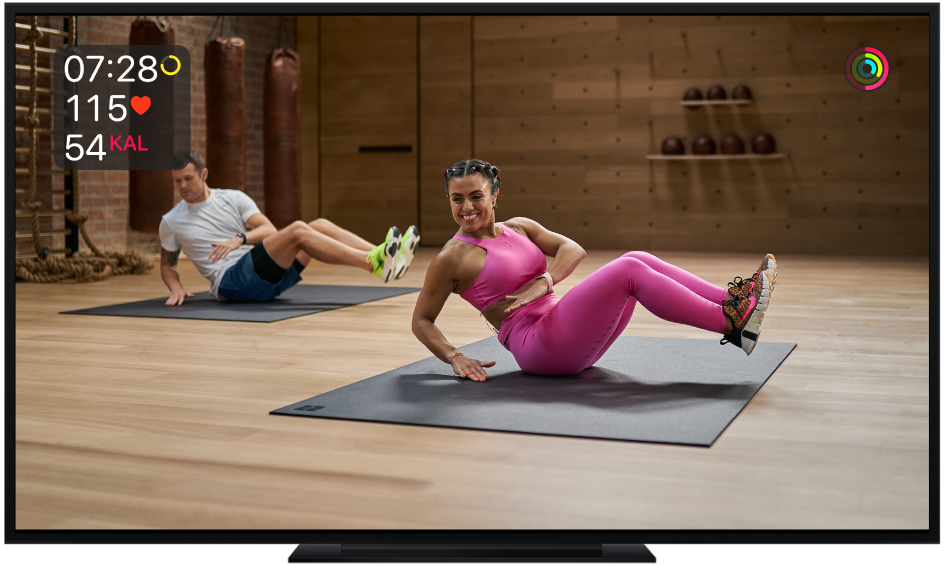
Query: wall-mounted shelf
{"type": "Point", "coordinates": [714, 157]}
{"type": "Point", "coordinates": [700, 102]}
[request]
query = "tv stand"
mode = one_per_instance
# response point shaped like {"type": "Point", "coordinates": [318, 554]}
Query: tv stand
{"type": "Point", "coordinates": [472, 553]}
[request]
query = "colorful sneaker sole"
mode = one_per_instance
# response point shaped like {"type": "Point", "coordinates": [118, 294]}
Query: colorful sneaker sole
{"type": "Point", "coordinates": [750, 332]}
{"type": "Point", "coordinates": [769, 265]}
{"type": "Point", "coordinates": [408, 244]}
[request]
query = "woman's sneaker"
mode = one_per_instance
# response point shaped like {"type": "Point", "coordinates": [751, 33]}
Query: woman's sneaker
{"type": "Point", "coordinates": [384, 255]}
{"type": "Point", "coordinates": [747, 312]}
{"type": "Point", "coordinates": [408, 244]}
{"type": "Point", "coordinates": [740, 288]}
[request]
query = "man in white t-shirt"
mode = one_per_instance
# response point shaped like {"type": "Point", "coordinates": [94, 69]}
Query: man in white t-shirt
{"type": "Point", "coordinates": [234, 246]}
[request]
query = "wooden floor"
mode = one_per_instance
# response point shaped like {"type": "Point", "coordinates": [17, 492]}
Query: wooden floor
{"type": "Point", "coordinates": [158, 423]}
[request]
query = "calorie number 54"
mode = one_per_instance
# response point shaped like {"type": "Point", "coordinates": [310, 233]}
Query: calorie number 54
{"type": "Point", "coordinates": [70, 144]}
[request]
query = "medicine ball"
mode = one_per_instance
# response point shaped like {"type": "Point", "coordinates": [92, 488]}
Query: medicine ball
{"type": "Point", "coordinates": [763, 143]}
{"type": "Point", "coordinates": [673, 146]}
{"type": "Point", "coordinates": [704, 145]}
{"type": "Point", "coordinates": [693, 94]}
{"type": "Point", "coordinates": [731, 144]}
{"type": "Point", "coordinates": [717, 92]}
{"type": "Point", "coordinates": [741, 91]}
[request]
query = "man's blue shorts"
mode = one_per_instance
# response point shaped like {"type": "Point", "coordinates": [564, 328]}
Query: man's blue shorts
{"type": "Point", "coordinates": [256, 277]}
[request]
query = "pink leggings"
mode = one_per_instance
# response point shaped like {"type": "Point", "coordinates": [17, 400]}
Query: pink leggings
{"type": "Point", "coordinates": [564, 336]}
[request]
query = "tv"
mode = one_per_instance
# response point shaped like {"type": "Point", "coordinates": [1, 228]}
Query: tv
{"type": "Point", "coordinates": [705, 133]}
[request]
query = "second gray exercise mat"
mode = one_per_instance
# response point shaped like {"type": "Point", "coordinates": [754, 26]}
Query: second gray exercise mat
{"type": "Point", "coordinates": [298, 301]}
{"type": "Point", "coordinates": [662, 390]}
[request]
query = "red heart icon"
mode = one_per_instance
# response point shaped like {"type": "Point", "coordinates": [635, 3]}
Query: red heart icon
{"type": "Point", "coordinates": [141, 104]}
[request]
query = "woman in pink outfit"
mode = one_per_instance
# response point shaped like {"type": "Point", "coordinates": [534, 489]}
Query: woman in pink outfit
{"type": "Point", "coordinates": [500, 268]}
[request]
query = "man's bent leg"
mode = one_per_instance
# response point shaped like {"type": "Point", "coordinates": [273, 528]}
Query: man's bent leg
{"type": "Point", "coordinates": [299, 240]}
{"type": "Point", "coordinates": [328, 228]}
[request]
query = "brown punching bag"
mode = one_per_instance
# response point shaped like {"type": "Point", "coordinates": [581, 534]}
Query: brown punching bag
{"type": "Point", "coordinates": [225, 77]}
{"type": "Point", "coordinates": [150, 193]}
{"type": "Point", "coordinates": [282, 137]}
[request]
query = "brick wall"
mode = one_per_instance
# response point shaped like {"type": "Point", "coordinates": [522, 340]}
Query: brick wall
{"type": "Point", "coordinates": [104, 194]}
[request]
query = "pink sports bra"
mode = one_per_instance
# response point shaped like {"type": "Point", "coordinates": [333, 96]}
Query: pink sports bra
{"type": "Point", "coordinates": [511, 262]}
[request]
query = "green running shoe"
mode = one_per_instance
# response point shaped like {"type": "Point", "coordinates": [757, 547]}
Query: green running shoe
{"type": "Point", "coordinates": [407, 248]}
{"type": "Point", "coordinates": [384, 255]}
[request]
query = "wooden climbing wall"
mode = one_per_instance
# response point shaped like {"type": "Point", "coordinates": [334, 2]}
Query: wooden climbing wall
{"type": "Point", "coordinates": [49, 180]}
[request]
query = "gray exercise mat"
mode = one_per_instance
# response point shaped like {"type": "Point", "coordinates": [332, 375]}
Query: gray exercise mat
{"type": "Point", "coordinates": [661, 390]}
{"type": "Point", "coordinates": [300, 300]}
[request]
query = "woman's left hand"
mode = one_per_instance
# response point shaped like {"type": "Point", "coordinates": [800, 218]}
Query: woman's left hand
{"type": "Point", "coordinates": [529, 293]}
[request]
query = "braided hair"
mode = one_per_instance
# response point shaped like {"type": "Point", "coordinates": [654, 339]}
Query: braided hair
{"type": "Point", "coordinates": [471, 167]}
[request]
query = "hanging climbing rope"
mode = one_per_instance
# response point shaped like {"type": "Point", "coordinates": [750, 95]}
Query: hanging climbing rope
{"type": "Point", "coordinates": [83, 267]}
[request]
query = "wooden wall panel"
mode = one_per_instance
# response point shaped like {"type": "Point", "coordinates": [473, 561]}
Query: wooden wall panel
{"type": "Point", "coordinates": [445, 116]}
{"type": "Point", "coordinates": [308, 42]}
{"type": "Point", "coordinates": [368, 99]}
{"type": "Point", "coordinates": [568, 107]}
{"type": "Point", "coordinates": [546, 113]}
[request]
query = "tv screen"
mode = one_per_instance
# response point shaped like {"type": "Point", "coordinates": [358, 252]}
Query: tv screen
{"type": "Point", "coordinates": [233, 232]}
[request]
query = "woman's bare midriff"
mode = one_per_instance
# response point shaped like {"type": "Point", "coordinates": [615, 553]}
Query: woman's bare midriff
{"type": "Point", "coordinates": [496, 314]}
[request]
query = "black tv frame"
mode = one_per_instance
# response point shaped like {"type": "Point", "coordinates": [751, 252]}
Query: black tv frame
{"type": "Point", "coordinates": [265, 544]}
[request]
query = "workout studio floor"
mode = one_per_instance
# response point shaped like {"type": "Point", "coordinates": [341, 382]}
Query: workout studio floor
{"type": "Point", "coordinates": [161, 423]}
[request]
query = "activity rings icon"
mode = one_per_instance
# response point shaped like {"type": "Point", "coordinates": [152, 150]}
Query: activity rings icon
{"type": "Point", "coordinates": [170, 57]}
{"type": "Point", "coordinates": [866, 68]}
